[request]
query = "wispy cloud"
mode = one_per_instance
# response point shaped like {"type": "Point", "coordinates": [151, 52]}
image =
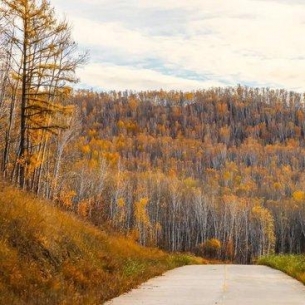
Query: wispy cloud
{"type": "Point", "coordinates": [190, 44]}
{"type": "Point", "coordinates": [114, 77]}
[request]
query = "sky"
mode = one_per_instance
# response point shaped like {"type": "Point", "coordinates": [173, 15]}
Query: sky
{"type": "Point", "coordinates": [188, 44]}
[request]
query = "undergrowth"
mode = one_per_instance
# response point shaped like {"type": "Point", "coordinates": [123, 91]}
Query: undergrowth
{"type": "Point", "coordinates": [50, 257]}
{"type": "Point", "coordinates": [293, 265]}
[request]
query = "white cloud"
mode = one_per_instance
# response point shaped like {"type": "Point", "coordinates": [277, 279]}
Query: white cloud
{"type": "Point", "coordinates": [227, 42]}
{"type": "Point", "coordinates": [111, 77]}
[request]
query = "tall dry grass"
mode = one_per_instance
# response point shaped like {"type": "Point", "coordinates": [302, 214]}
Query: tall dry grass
{"type": "Point", "coordinates": [48, 256]}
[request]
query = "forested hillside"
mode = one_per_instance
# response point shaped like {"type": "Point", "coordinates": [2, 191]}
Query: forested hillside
{"type": "Point", "coordinates": [50, 257]}
{"type": "Point", "coordinates": [219, 172]}
{"type": "Point", "coordinates": [223, 163]}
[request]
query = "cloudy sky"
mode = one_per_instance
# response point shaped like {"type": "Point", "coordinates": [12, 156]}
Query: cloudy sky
{"type": "Point", "coordinates": [189, 44]}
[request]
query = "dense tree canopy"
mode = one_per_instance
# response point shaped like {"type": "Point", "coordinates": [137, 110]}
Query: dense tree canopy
{"type": "Point", "coordinates": [179, 169]}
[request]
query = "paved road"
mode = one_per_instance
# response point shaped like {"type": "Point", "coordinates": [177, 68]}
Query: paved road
{"type": "Point", "coordinates": [217, 284]}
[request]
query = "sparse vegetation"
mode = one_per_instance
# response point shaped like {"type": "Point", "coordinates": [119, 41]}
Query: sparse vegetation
{"type": "Point", "coordinates": [293, 265]}
{"type": "Point", "coordinates": [50, 257]}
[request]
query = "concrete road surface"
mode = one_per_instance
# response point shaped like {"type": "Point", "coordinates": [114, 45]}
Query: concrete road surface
{"type": "Point", "coordinates": [217, 284]}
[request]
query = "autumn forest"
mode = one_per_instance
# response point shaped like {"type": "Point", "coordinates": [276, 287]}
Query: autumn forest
{"type": "Point", "coordinates": [216, 172]}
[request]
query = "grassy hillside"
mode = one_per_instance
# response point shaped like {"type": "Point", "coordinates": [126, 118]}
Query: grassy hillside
{"type": "Point", "coordinates": [293, 265]}
{"type": "Point", "coordinates": [50, 257]}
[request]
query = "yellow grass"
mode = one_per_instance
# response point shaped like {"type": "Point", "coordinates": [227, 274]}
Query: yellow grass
{"type": "Point", "coordinates": [48, 256]}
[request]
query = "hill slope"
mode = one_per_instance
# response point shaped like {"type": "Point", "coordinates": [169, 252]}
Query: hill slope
{"type": "Point", "coordinates": [180, 169]}
{"type": "Point", "coordinates": [225, 163]}
{"type": "Point", "coordinates": [50, 257]}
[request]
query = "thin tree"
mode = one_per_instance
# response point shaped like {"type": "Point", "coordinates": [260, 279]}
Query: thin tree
{"type": "Point", "coordinates": [44, 60]}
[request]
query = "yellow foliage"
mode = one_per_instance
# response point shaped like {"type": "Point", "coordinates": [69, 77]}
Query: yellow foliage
{"type": "Point", "coordinates": [112, 158]}
{"type": "Point", "coordinates": [172, 173]}
{"type": "Point", "coordinates": [133, 103]}
{"type": "Point", "coordinates": [86, 149]}
{"type": "Point", "coordinates": [190, 182]}
{"type": "Point", "coordinates": [121, 202]}
{"type": "Point", "coordinates": [141, 214]}
{"type": "Point", "coordinates": [212, 244]}
{"type": "Point", "coordinates": [83, 208]}
{"type": "Point", "coordinates": [189, 96]}
{"type": "Point", "coordinates": [158, 227]}
{"type": "Point", "coordinates": [96, 154]}
{"type": "Point", "coordinates": [209, 248]}
{"type": "Point", "coordinates": [92, 133]}
{"type": "Point", "coordinates": [298, 196]}
{"type": "Point", "coordinates": [120, 124]}
{"type": "Point", "coordinates": [93, 163]}
{"type": "Point", "coordinates": [134, 235]}
{"type": "Point", "coordinates": [266, 220]}
{"type": "Point", "coordinates": [227, 175]}
{"type": "Point", "coordinates": [121, 214]}
{"type": "Point", "coordinates": [66, 198]}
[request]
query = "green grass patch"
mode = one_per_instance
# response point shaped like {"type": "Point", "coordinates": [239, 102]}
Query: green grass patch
{"type": "Point", "coordinates": [293, 265]}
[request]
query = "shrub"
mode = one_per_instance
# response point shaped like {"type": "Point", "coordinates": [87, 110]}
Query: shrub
{"type": "Point", "coordinates": [209, 248]}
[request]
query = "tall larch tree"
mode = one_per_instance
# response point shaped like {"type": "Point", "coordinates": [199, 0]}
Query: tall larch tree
{"type": "Point", "coordinates": [43, 62]}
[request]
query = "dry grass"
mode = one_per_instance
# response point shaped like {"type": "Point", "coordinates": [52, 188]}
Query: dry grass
{"type": "Point", "coordinates": [49, 257]}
